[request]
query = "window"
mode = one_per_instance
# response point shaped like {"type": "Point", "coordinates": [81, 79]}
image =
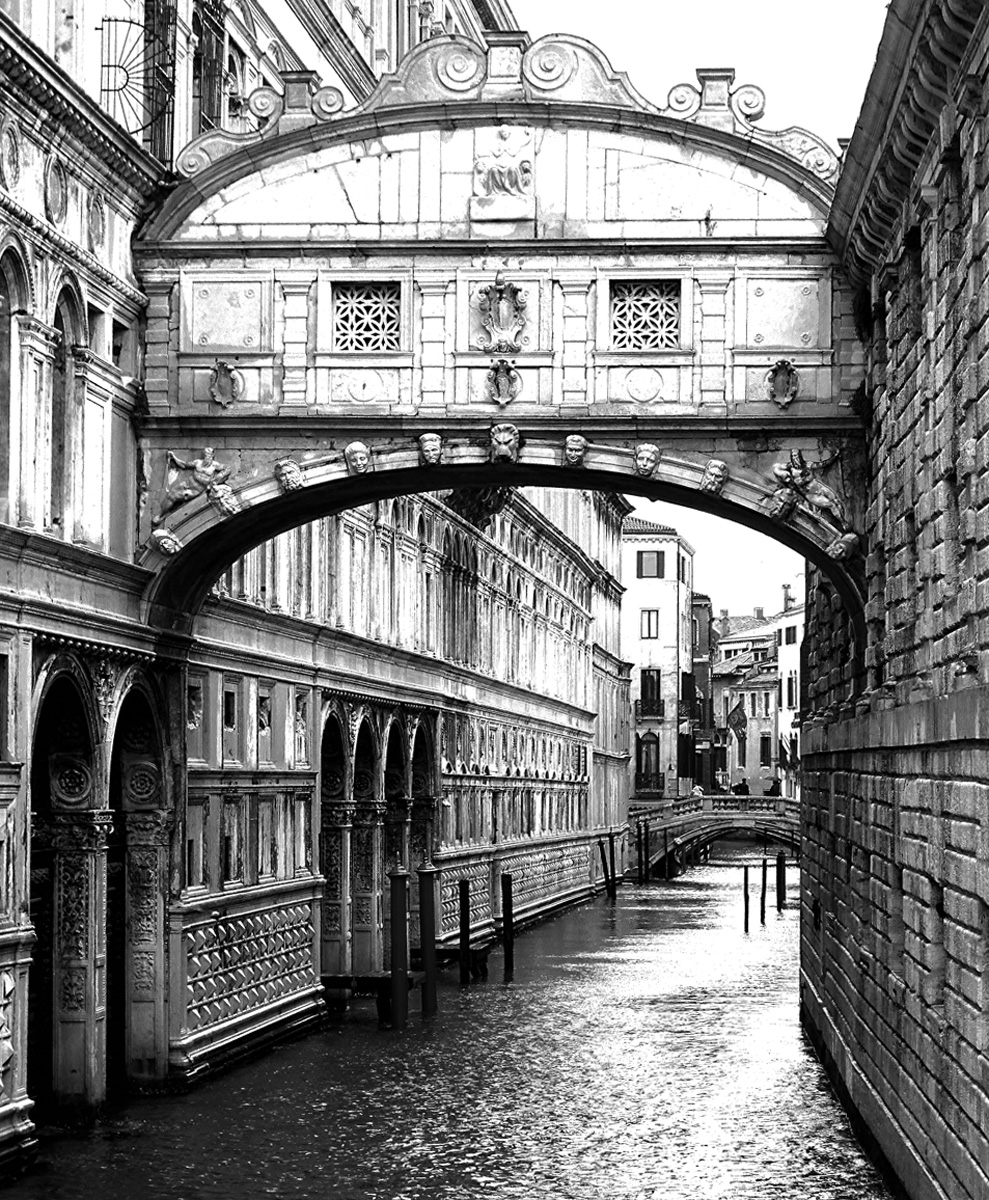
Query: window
{"type": "Point", "coordinates": [645, 315]}
{"type": "Point", "coordinates": [367, 317]}
{"type": "Point", "coordinates": [195, 859]}
{"type": "Point", "coordinates": [682, 568]}
{"type": "Point", "coordinates": [765, 750]}
{"type": "Point", "coordinates": [650, 564]}
{"type": "Point", "coordinates": [267, 857]}
{"type": "Point", "coordinates": [743, 747]}
{"type": "Point", "coordinates": [231, 867]}
{"type": "Point", "coordinates": [649, 684]}
{"type": "Point", "coordinates": [779, 637]}
{"type": "Point", "coordinates": [791, 635]}
{"type": "Point", "coordinates": [229, 709]}
{"type": "Point", "coordinates": [207, 65]}
{"type": "Point", "coordinates": [649, 623]}
{"type": "Point", "coordinates": [765, 703]}
{"type": "Point", "coordinates": [791, 690]}
{"type": "Point", "coordinates": [696, 634]}
{"type": "Point", "coordinates": [753, 703]}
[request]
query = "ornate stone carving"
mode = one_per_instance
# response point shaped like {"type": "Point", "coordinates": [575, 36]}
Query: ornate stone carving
{"type": "Point", "coordinates": [142, 894]}
{"type": "Point", "coordinates": [782, 382]}
{"type": "Point", "coordinates": [358, 458]}
{"type": "Point", "coordinates": [10, 154]}
{"type": "Point", "coordinates": [783, 503]}
{"type": "Point", "coordinates": [95, 223]}
{"type": "Point", "coordinates": [504, 382]}
{"type": "Point", "coordinates": [288, 475]}
{"type": "Point", "coordinates": [165, 542]}
{"type": "Point", "coordinates": [105, 675]}
{"type": "Point", "coordinates": [646, 460]}
{"type": "Point", "coordinates": [72, 901]}
{"type": "Point", "coordinates": [504, 443]}
{"type": "Point", "coordinates": [200, 476]}
{"type": "Point", "coordinates": [226, 383]}
{"type": "Point", "coordinates": [502, 307]}
{"type": "Point", "coordinates": [8, 986]}
{"type": "Point", "coordinates": [71, 780]}
{"type": "Point", "coordinates": [72, 989]}
{"type": "Point", "coordinates": [75, 832]}
{"type": "Point", "coordinates": [149, 828]}
{"type": "Point", "coordinates": [715, 476]}
{"type": "Point", "coordinates": [801, 477]}
{"type": "Point", "coordinates": [551, 65]}
{"type": "Point", "coordinates": [844, 547]}
{"type": "Point", "coordinates": [574, 450]}
{"type": "Point", "coordinates": [478, 505]}
{"type": "Point", "coordinates": [143, 974]}
{"type": "Point", "coordinates": [505, 167]}
{"type": "Point", "coordinates": [56, 191]}
{"type": "Point", "coordinates": [430, 449]}
{"type": "Point", "coordinates": [142, 783]}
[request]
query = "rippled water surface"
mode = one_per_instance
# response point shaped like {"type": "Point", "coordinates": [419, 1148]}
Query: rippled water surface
{"type": "Point", "coordinates": [644, 1051]}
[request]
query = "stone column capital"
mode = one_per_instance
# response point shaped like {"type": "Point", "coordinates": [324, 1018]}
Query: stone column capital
{"type": "Point", "coordinates": [88, 830]}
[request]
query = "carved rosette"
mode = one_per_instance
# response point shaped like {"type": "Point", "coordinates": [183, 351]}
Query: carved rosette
{"type": "Point", "coordinates": [71, 780]}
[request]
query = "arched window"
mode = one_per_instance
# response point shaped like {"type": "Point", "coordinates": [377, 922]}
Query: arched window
{"type": "Point", "coordinates": [69, 332]}
{"type": "Point", "coordinates": [12, 300]}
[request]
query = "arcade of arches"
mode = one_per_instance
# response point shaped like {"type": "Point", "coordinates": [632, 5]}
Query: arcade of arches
{"type": "Point", "coordinates": [335, 587]}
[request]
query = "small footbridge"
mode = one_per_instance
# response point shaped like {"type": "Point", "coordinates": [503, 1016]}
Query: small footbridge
{"type": "Point", "coordinates": [678, 831]}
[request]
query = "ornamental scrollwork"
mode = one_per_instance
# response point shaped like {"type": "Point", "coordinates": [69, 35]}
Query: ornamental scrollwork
{"type": "Point", "coordinates": [502, 306]}
{"type": "Point", "coordinates": [504, 383]}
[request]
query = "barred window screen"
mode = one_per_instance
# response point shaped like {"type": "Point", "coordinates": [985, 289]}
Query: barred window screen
{"type": "Point", "coordinates": [207, 67]}
{"type": "Point", "coordinates": [645, 315]}
{"type": "Point", "coordinates": [367, 316]}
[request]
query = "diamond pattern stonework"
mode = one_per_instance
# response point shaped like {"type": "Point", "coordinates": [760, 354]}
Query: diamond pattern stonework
{"type": "Point", "coordinates": [367, 316]}
{"type": "Point", "coordinates": [645, 315]}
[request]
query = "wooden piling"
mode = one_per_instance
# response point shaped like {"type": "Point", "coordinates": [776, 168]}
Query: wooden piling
{"type": "Point", "coordinates": [611, 860]}
{"type": "Point", "coordinates": [464, 890]}
{"type": "Point", "coordinates": [640, 876]}
{"type": "Point", "coordinates": [666, 855]}
{"type": "Point", "coordinates": [646, 852]}
{"type": "Point", "coordinates": [427, 935]}
{"type": "Point", "coordinates": [780, 881]}
{"type": "Point", "coordinates": [399, 947]}
{"type": "Point", "coordinates": [762, 893]}
{"type": "Point", "coordinates": [745, 896]}
{"type": "Point", "coordinates": [604, 867]}
{"type": "Point", "coordinates": [508, 925]}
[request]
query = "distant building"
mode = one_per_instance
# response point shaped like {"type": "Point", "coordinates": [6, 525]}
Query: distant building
{"type": "Point", "coordinates": [709, 743]}
{"type": "Point", "coordinates": [657, 638]}
{"type": "Point", "coordinates": [789, 638]}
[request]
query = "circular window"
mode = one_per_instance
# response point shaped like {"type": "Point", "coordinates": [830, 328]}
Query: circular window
{"type": "Point", "coordinates": [56, 191]}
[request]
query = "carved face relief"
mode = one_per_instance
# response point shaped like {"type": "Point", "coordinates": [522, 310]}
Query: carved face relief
{"type": "Point", "coordinates": [715, 476]}
{"type": "Point", "coordinates": [165, 542]}
{"type": "Point", "coordinates": [646, 458]}
{"type": "Point", "coordinates": [504, 444]}
{"type": "Point", "coordinates": [783, 503]}
{"type": "Point", "coordinates": [574, 450]}
{"type": "Point", "coordinates": [430, 449]}
{"type": "Point", "coordinates": [844, 547]}
{"type": "Point", "coordinates": [288, 475]}
{"type": "Point", "coordinates": [358, 458]}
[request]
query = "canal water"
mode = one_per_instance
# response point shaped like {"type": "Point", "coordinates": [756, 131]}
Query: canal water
{"type": "Point", "coordinates": [646, 1050]}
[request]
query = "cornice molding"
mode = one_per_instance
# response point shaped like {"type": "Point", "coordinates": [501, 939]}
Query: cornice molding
{"type": "Point", "coordinates": [28, 71]}
{"type": "Point", "coordinates": [915, 79]}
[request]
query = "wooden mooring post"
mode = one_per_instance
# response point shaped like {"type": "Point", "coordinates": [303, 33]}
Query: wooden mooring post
{"type": "Point", "coordinates": [745, 896]}
{"type": "Point", "coordinates": [508, 925]}
{"type": "Point", "coordinates": [399, 947]}
{"type": "Point", "coordinates": [641, 874]}
{"type": "Point", "coordinates": [780, 881]}
{"type": "Point", "coordinates": [608, 884]}
{"type": "Point", "coordinates": [645, 852]}
{"type": "Point", "coordinates": [464, 890]}
{"type": "Point", "coordinates": [666, 855]}
{"type": "Point", "coordinates": [611, 860]}
{"type": "Point", "coordinates": [762, 893]}
{"type": "Point", "coordinates": [427, 935]}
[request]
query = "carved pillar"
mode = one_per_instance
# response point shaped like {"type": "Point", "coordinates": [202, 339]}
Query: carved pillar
{"type": "Point", "coordinates": [435, 326]}
{"type": "Point", "coordinates": [366, 875]}
{"type": "Point", "coordinates": [296, 335]}
{"type": "Point", "coordinates": [148, 838]}
{"type": "Point", "coordinates": [572, 333]}
{"type": "Point", "coordinates": [337, 821]}
{"type": "Point", "coordinates": [714, 387]}
{"type": "Point", "coordinates": [82, 508]}
{"type": "Point", "coordinates": [29, 446]}
{"type": "Point", "coordinates": [79, 956]}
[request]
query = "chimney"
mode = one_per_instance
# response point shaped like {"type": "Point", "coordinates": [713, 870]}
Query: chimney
{"type": "Point", "coordinates": [759, 615]}
{"type": "Point", "coordinates": [787, 598]}
{"type": "Point", "coordinates": [723, 623]}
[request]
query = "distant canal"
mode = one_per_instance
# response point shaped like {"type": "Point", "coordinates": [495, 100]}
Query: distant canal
{"type": "Point", "coordinates": [644, 1051]}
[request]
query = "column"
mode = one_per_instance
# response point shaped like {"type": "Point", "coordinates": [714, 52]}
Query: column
{"type": "Point", "coordinates": [79, 956]}
{"type": "Point", "coordinates": [366, 860]}
{"type": "Point", "coordinates": [295, 290]}
{"type": "Point", "coordinates": [335, 831]}
{"type": "Point", "coordinates": [37, 345]}
{"type": "Point", "coordinates": [434, 333]}
{"type": "Point", "coordinates": [712, 386]}
{"type": "Point", "coordinates": [572, 334]}
{"type": "Point", "coordinates": [147, 860]}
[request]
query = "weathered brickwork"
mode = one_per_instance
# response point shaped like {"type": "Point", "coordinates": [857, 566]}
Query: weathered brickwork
{"type": "Point", "coordinates": [896, 789]}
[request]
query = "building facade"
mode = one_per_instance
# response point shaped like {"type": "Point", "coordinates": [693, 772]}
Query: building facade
{"type": "Point", "coordinates": [194, 833]}
{"type": "Point", "coordinates": [657, 638]}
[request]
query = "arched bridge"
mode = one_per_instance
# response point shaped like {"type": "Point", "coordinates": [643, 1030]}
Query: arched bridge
{"type": "Point", "coordinates": [678, 829]}
{"type": "Point", "coordinates": [504, 267]}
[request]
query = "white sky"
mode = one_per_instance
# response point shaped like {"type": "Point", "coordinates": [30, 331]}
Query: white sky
{"type": "Point", "coordinates": [813, 62]}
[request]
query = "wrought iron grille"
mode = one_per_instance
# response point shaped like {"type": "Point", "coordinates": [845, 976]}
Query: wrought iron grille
{"type": "Point", "coordinates": [137, 77]}
{"type": "Point", "coordinates": [645, 315]}
{"type": "Point", "coordinates": [207, 67]}
{"type": "Point", "coordinates": [367, 316]}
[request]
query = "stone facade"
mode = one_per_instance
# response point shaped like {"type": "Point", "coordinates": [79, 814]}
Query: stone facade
{"type": "Point", "coordinates": [895, 795]}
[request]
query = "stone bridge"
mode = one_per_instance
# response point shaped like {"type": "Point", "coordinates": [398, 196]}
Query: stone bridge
{"type": "Point", "coordinates": [683, 827]}
{"type": "Point", "coordinates": [504, 267]}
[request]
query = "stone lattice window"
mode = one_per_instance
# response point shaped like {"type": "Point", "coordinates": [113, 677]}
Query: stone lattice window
{"type": "Point", "coordinates": [645, 314]}
{"type": "Point", "coordinates": [367, 316]}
